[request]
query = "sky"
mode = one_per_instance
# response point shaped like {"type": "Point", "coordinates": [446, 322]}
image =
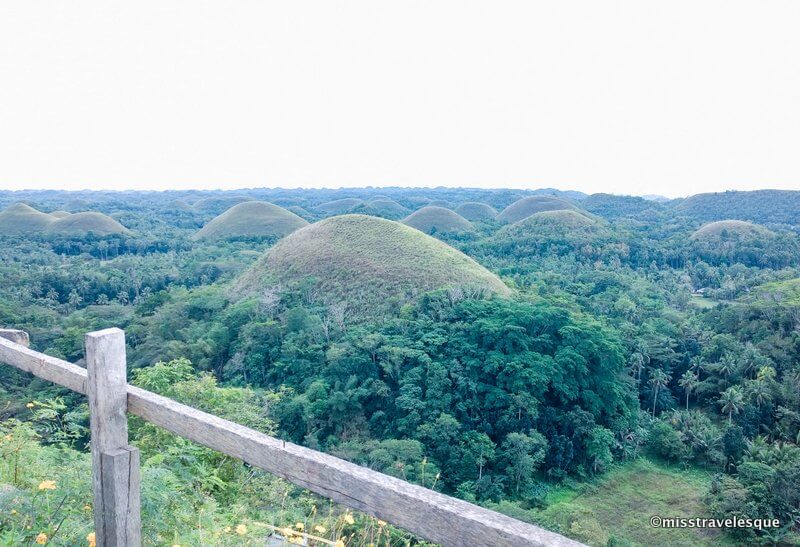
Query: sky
{"type": "Point", "coordinates": [627, 97]}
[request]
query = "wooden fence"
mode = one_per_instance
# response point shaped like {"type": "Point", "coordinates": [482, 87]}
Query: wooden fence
{"type": "Point", "coordinates": [115, 464]}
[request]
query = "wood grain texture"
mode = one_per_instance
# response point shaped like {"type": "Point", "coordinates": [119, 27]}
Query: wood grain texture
{"type": "Point", "coordinates": [48, 368]}
{"type": "Point", "coordinates": [107, 387]}
{"type": "Point", "coordinates": [122, 504]}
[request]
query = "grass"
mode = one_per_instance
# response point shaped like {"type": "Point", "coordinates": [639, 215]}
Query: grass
{"type": "Point", "coordinates": [702, 302]}
{"type": "Point", "coordinates": [475, 211]}
{"type": "Point", "coordinates": [432, 219]}
{"type": "Point", "coordinates": [339, 206]}
{"type": "Point", "coordinates": [528, 206]}
{"type": "Point", "coordinates": [366, 260]}
{"type": "Point", "coordinates": [21, 218]}
{"type": "Point", "coordinates": [83, 223]}
{"type": "Point", "coordinates": [619, 505]}
{"type": "Point", "coordinates": [252, 219]}
{"type": "Point", "coordinates": [721, 228]}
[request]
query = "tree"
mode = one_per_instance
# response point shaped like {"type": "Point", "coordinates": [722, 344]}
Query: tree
{"type": "Point", "coordinates": [477, 449]}
{"type": "Point", "coordinates": [522, 455]}
{"type": "Point", "coordinates": [731, 401]}
{"type": "Point", "coordinates": [688, 382]}
{"type": "Point", "coordinates": [658, 379]}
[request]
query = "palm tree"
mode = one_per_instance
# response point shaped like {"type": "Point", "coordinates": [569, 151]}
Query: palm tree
{"type": "Point", "coordinates": [731, 401]}
{"type": "Point", "coordinates": [658, 379]}
{"type": "Point", "coordinates": [636, 361]}
{"type": "Point", "coordinates": [760, 391]}
{"type": "Point", "coordinates": [726, 366]}
{"type": "Point", "coordinates": [688, 382]}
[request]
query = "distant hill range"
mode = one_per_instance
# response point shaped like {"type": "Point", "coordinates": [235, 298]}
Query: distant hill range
{"type": "Point", "coordinates": [760, 206]}
{"type": "Point", "coordinates": [193, 207]}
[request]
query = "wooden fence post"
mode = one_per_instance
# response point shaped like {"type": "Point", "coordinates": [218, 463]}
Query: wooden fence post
{"type": "Point", "coordinates": [115, 464]}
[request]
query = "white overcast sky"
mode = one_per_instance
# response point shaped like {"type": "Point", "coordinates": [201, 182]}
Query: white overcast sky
{"type": "Point", "coordinates": [636, 97]}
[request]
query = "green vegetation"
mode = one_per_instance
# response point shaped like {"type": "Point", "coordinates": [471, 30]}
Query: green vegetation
{"type": "Point", "coordinates": [582, 370]}
{"type": "Point", "coordinates": [432, 219]}
{"type": "Point", "coordinates": [616, 507]}
{"type": "Point", "coordinates": [383, 207]}
{"type": "Point", "coordinates": [252, 220]}
{"type": "Point", "coordinates": [23, 219]}
{"type": "Point", "coordinates": [359, 259]}
{"type": "Point", "coordinates": [82, 224]}
{"type": "Point", "coordinates": [474, 211]}
{"type": "Point", "coordinates": [526, 207]}
{"type": "Point", "coordinates": [724, 230]}
{"type": "Point", "coordinates": [339, 206]}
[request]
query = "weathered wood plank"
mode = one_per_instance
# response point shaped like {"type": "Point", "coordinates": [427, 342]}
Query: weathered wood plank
{"type": "Point", "coordinates": [107, 384]}
{"type": "Point", "coordinates": [48, 368]}
{"type": "Point", "coordinates": [122, 505]}
{"type": "Point", "coordinates": [433, 516]}
{"type": "Point", "coordinates": [18, 336]}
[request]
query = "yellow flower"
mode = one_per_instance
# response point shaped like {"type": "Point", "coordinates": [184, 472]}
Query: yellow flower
{"type": "Point", "coordinates": [47, 485]}
{"type": "Point", "coordinates": [8, 437]}
{"type": "Point", "coordinates": [320, 529]}
{"type": "Point", "coordinates": [241, 529]}
{"type": "Point", "coordinates": [381, 522]}
{"type": "Point", "coordinates": [92, 539]}
{"type": "Point", "coordinates": [228, 529]}
{"type": "Point", "coordinates": [348, 518]}
{"type": "Point", "coordinates": [41, 539]}
{"type": "Point", "coordinates": [299, 525]}
{"type": "Point", "coordinates": [30, 405]}
{"type": "Point", "coordinates": [87, 507]}
{"type": "Point", "coordinates": [339, 543]}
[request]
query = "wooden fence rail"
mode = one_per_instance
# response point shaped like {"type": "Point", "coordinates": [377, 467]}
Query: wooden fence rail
{"type": "Point", "coordinates": [115, 464]}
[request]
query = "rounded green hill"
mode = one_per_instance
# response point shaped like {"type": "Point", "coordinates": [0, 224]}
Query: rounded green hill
{"type": "Point", "coordinates": [85, 223]}
{"type": "Point", "coordinates": [727, 229]}
{"type": "Point", "coordinates": [365, 260]}
{"type": "Point", "coordinates": [567, 218]}
{"type": "Point", "coordinates": [216, 205]}
{"type": "Point", "coordinates": [475, 211]}
{"type": "Point", "coordinates": [23, 219]}
{"type": "Point", "coordinates": [252, 219]}
{"type": "Point", "coordinates": [339, 206]}
{"type": "Point", "coordinates": [432, 219]}
{"type": "Point", "coordinates": [531, 205]}
{"type": "Point", "coordinates": [570, 225]}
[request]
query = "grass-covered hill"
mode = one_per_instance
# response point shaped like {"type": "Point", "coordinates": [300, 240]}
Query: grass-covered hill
{"type": "Point", "coordinates": [381, 207]}
{"type": "Point", "coordinates": [531, 205]}
{"type": "Point", "coordinates": [564, 219]}
{"type": "Point", "coordinates": [432, 219]}
{"type": "Point", "coordinates": [724, 230]}
{"type": "Point", "coordinates": [761, 206]}
{"type": "Point", "coordinates": [339, 206]}
{"type": "Point", "coordinates": [217, 204]}
{"type": "Point", "coordinates": [252, 219]}
{"type": "Point", "coordinates": [475, 211]}
{"type": "Point", "coordinates": [21, 219]}
{"type": "Point", "coordinates": [365, 261]}
{"type": "Point", "coordinates": [80, 224]}
{"type": "Point", "coordinates": [547, 233]}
